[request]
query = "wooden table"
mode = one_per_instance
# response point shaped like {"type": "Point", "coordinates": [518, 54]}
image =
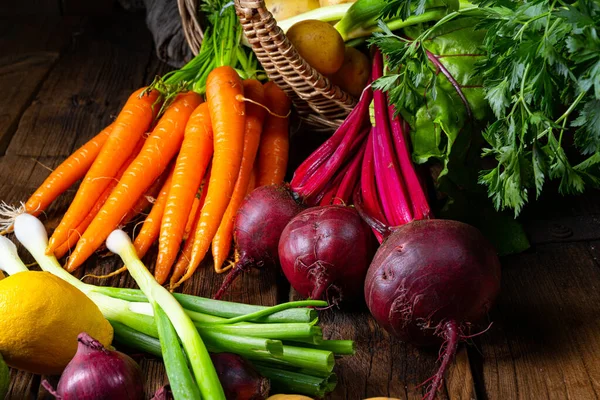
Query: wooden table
{"type": "Point", "coordinates": [63, 79]}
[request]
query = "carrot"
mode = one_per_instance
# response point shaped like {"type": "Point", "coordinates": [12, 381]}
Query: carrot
{"type": "Point", "coordinates": [133, 121]}
{"type": "Point", "coordinates": [145, 199]}
{"type": "Point", "coordinates": [77, 232]}
{"type": "Point", "coordinates": [252, 182]}
{"type": "Point", "coordinates": [190, 166]}
{"type": "Point", "coordinates": [158, 150]}
{"type": "Point", "coordinates": [186, 252]}
{"type": "Point", "coordinates": [193, 213]}
{"type": "Point", "coordinates": [67, 173]}
{"type": "Point", "coordinates": [224, 90]}
{"type": "Point", "coordinates": [274, 141]}
{"type": "Point", "coordinates": [151, 227]}
{"type": "Point", "coordinates": [255, 115]}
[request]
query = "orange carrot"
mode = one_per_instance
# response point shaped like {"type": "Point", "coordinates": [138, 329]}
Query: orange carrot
{"type": "Point", "coordinates": [224, 90]}
{"type": "Point", "coordinates": [186, 252]}
{"type": "Point", "coordinates": [67, 173]}
{"type": "Point", "coordinates": [255, 115]}
{"type": "Point", "coordinates": [158, 150]}
{"type": "Point", "coordinates": [190, 166]}
{"type": "Point", "coordinates": [145, 199]}
{"type": "Point", "coordinates": [274, 141]}
{"type": "Point", "coordinates": [193, 213]}
{"type": "Point", "coordinates": [252, 182]}
{"type": "Point", "coordinates": [77, 232]}
{"type": "Point", "coordinates": [132, 122]}
{"type": "Point", "coordinates": [151, 227]}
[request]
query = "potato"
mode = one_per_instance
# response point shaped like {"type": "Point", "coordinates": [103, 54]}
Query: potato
{"type": "Point", "coordinates": [319, 44]}
{"type": "Point", "coordinates": [354, 74]}
{"type": "Point", "coordinates": [288, 397]}
{"type": "Point", "coordinates": [325, 3]}
{"type": "Point", "coordinates": [284, 9]}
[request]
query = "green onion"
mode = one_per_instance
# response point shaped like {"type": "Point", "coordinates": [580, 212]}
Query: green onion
{"type": "Point", "coordinates": [283, 381]}
{"type": "Point", "coordinates": [136, 340]}
{"type": "Point", "coordinates": [9, 258]}
{"type": "Point", "coordinates": [338, 347]}
{"type": "Point", "coordinates": [206, 377]}
{"type": "Point", "coordinates": [180, 378]}
{"type": "Point", "coordinates": [299, 358]}
{"type": "Point", "coordinates": [218, 308]}
{"type": "Point", "coordinates": [274, 309]}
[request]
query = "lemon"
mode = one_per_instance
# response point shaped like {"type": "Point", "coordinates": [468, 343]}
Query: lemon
{"type": "Point", "coordinates": [40, 318]}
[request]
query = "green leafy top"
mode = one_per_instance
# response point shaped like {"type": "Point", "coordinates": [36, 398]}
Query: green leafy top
{"type": "Point", "coordinates": [542, 69]}
{"type": "Point", "coordinates": [541, 78]}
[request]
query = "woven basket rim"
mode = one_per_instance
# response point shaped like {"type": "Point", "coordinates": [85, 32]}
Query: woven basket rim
{"type": "Point", "coordinates": [318, 102]}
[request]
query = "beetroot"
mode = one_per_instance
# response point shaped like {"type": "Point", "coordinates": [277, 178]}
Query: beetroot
{"type": "Point", "coordinates": [325, 252]}
{"type": "Point", "coordinates": [429, 281]}
{"type": "Point", "coordinates": [258, 225]}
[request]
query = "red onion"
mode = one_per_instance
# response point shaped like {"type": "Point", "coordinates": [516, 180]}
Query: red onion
{"type": "Point", "coordinates": [96, 373]}
{"type": "Point", "coordinates": [239, 378]}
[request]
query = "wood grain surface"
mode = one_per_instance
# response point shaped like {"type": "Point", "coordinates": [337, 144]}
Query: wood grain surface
{"type": "Point", "coordinates": [61, 89]}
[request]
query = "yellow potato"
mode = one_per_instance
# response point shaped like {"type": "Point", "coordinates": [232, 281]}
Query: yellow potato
{"type": "Point", "coordinates": [353, 76]}
{"type": "Point", "coordinates": [319, 44]}
{"type": "Point", "coordinates": [284, 9]}
{"type": "Point", "coordinates": [288, 397]}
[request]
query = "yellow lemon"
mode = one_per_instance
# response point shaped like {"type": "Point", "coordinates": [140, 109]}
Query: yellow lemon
{"type": "Point", "coordinates": [40, 318]}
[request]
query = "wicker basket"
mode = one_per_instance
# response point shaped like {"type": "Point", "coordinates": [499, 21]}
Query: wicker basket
{"type": "Point", "coordinates": [317, 101]}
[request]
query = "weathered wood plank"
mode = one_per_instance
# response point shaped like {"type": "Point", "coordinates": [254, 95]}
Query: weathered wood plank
{"type": "Point", "coordinates": [87, 87]}
{"type": "Point", "coordinates": [21, 76]}
{"type": "Point", "coordinates": [546, 335]}
{"type": "Point", "coordinates": [21, 34]}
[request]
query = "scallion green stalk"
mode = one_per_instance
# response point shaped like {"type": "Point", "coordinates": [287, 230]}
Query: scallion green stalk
{"type": "Point", "coordinates": [219, 308]}
{"type": "Point", "coordinates": [338, 347]}
{"type": "Point", "coordinates": [180, 378]}
{"type": "Point", "coordinates": [206, 377]}
{"type": "Point", "coordinates": [135, 340]}
{"type": "Point", "coordinates": [283, 381]}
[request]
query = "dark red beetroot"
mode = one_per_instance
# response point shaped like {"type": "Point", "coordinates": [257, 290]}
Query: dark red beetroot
{"type": "Point", "coordinates": [325, 252]}
{"type": "Point", "coordinates": [429, 281]}
{"type": "Point", "coordinates": [239, 379]}
{"type": "Point", "coordinates": [258, 226]}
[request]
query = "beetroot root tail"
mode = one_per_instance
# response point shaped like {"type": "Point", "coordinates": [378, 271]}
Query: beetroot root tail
{"type": "Point", "coordinates": [451, 333]}
{"type": "Point", "coordinates": [231, 276]}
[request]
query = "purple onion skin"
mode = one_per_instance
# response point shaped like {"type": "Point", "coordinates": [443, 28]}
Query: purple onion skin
{"type": "Point", "coordinates": [429, 272]}
{"type": "Point", "coordinates": [325, 252]}
{"type": "Point", "coordinates": [96, 373]}
{"type": "Point", "coordinates": [239, 379]}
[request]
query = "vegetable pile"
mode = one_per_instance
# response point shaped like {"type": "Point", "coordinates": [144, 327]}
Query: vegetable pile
{"type": "Point", "coordinates": [283, 342]}
{"type": "Point", "coordinates": [184, 166]}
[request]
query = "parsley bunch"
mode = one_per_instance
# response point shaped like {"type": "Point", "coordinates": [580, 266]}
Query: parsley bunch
{"type": "Point", "coordinates": [542, 80]}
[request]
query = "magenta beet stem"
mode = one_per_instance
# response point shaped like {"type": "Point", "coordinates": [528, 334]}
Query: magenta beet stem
{"type": "Point", "coordinates": [420, 205]}
{"type": "Point", "coordinates": [354, 123]}
{"type": "Point", "coordinates": [434, 60]}
{"type": "Point", "coordinates": [368, 189]}
{"type": "Point", "coordinates": [350, 178]}
{"type": "Point", "coordinates": [388, 176]}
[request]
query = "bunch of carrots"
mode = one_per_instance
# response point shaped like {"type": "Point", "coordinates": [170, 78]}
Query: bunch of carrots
{"type": "Point", "coordinates": [194, 163]}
